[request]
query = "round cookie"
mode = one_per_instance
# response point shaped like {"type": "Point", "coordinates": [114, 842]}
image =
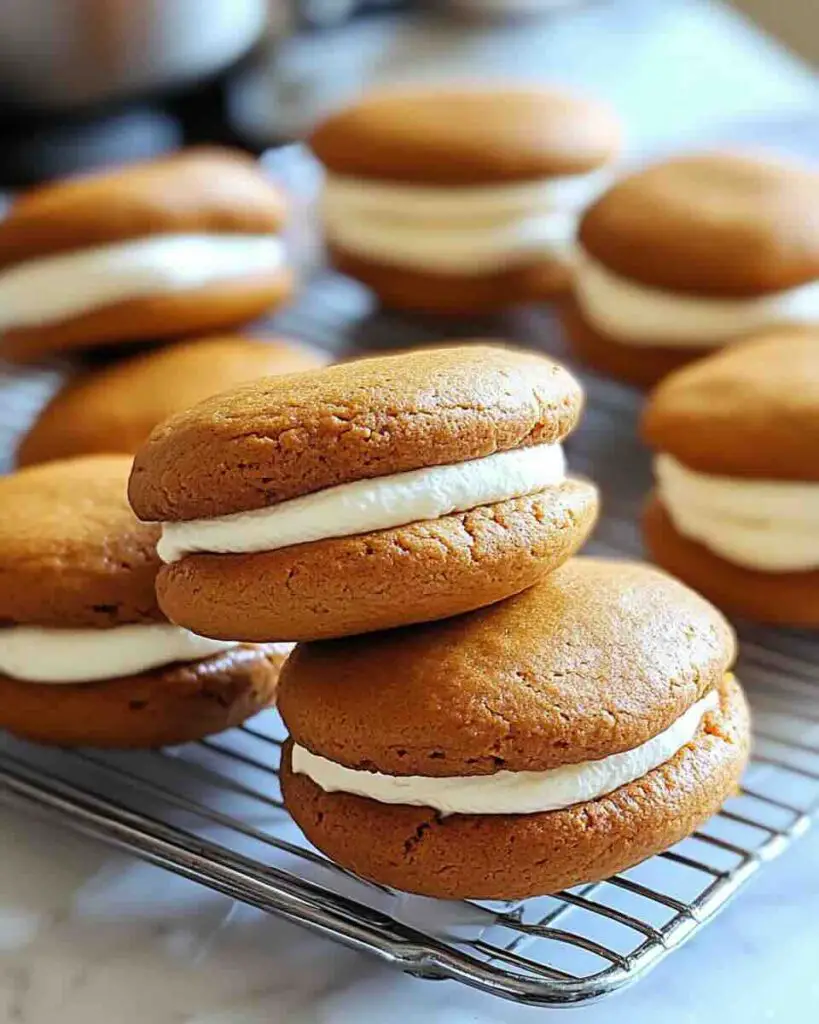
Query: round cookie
{"type": "Point", "coordinates": [114, 409]}
{"type": "Point", "coordinates": [366, 495]}
{"type": "Point", "coordinates": [86, 656]}
{"type": "Point", "coordinates": [181, 245]}
{"type": "Point", "coordinates": [736, 511]}
{"type": "Point", "coordinates": [458, 200]}
{"type": "Point", "coordinates": [692, 254]}
{"type": "Point", "coordinates": [452, 759]}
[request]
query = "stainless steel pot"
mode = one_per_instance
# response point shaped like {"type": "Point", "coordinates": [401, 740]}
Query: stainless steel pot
{"type": "Point", "coordinates": [60, 54]}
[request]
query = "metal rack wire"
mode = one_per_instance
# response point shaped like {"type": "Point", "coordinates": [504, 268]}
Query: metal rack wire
{"type": "Point", "coordinates": [212, 812]}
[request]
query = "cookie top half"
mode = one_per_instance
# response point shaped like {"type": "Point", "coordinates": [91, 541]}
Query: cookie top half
{"type": "Point", "coordinates": [115, 408]}
{"type": "Point", "coordinates": [719, 224]}
{"type": "Point", "coordinates": [72, 554]}
{"type": "Point", "coordinates": [466, 136]}
{"type": "Point", "coordinates": [596, 659]}
{"type": "Point", "coordinates": [751, 410]}
{"type": "Point", "coordinates": [282, 437]}
{"type": "Point", "coordinates": [199, 191]}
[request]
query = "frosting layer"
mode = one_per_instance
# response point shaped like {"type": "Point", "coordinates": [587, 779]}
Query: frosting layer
{"type": "Point", "coordinates": [457, 230]}
{"type": "Point", "coordinates": [61, 287]}
{"type": "Point", "coordinates": [637, 314]}
{"type": "Point", "coordinates": [768, 525]}
{"type": "Point", "coordinates": [365, 506]}
{"type": "Point", "coordinates": [510, 792]}
{"type": "Point", "coordinates": [39, 655]}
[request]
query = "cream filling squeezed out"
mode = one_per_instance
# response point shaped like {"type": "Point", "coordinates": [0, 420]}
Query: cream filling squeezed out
{"type": "Point", "coordinates": [365, 506]}
{"type": "Point", "coordinates": [636, 314]}
{"type": "Point", "coordinates": [54, 288]}
{"type": "Point", "coordinates": [510, 792]}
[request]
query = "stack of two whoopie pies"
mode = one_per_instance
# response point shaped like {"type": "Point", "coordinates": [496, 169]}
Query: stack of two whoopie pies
{"type": "Point", "coordinates": [471, 713]}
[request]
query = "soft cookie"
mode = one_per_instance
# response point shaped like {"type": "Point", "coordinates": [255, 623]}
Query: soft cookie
{"type": "Point", "coordinates": [366, 495]}
{"type": "Point", "coordinates": [736, 508]}
{"type": "Point", "coordinates": [461, 200]}
{"type": "Point", "coordinates": [86, 656]}
{"type": "Point", "coordinates": [552, 739]}
{"type": "Point", "coordinates": [185, 244]}
{"type": "Point", "coordinates": [115, 408]}
{"type": "Point", "coordinates": [690, 255]}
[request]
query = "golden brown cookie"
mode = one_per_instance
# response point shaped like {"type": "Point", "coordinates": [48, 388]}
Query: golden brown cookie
{"type": "Point", "coordinates": [284, 437]}
{"type": "Point", "coordinates": [466, 136]}
{"type": "Point", "coordinates": [736, 512]}
{"type": "Point", "coordinates": [749, 411]}
{"type": "Point", "coordinates": [174, 704]}
{"type": "Point", "coordinates": [366, 495]}
{"type": "Point", "coordinates": [777, 598]}
{"type": "Point", "coordinates": [643, 367]}
{"type": "Point", "coordinates": [180, 245]}
{"type": "Point", "coordinates": [71, 551]}
{"type": "Point", "coordinates": [461, 200]}
{"type": "Point", "coordinates": [456, 294]}
{"type": "Point", "coordinates": [86, 657]}
{"type": "Point", "coordinates": [722, 224]}
{"type": "Point", "coordinates": [114, 409]}
{"type": "Point", "coordinates": [596, 661]}
{"type": "Point", "coordinates": [161, 317]}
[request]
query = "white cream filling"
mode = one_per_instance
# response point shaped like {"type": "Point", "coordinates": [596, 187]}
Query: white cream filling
{"type": "Point", "coordinates": [54, 288]}
{"type": "Point", "coordinates": [510, 792]}
{"type": "Point", "coordinates": [767, 525]}
{"type": "Point", "coordinates": [365, 506]}
{"type": "Point", "coordinates": [40, 655]}
{"type": "Point", "coordinates": [457, 230]}
{"type": "Point", "coordinates": [638, 315]}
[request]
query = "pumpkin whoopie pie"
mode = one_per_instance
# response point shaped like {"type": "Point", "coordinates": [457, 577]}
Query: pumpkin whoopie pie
{"type": "Point", "coordinates": [461, 199]}
{"type": "Point", "coordinates": [115, 408]}
{"type": "Point", "coordinates": [181, 245]}
{"type": "Point", "coordinates": [86, 656]}
{"type": "Point", "coordinates": [736, 507]}
{"type": "Point", "coordinates": [691, 254]}
{"type": "Point", "coordinates": [549, 740]}
{"type": "Point", "coordinates": [365, 495]}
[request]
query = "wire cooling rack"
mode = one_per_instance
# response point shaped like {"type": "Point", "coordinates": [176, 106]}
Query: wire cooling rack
{"type": "Point", "coordinates": [212, 811]}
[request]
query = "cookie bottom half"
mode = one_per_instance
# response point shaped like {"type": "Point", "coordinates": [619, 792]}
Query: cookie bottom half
{"type": "Point", "coordinates": [456, 294]}
{"type": "Point", "coordinates": [416, 573]}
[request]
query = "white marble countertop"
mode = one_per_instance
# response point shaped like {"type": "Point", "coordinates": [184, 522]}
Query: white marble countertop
{"type": "Point", "coordinates": [92, 936]}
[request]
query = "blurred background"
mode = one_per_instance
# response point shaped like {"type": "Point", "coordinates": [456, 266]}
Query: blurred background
{"type": "Point", "coordinates": [91, 82]}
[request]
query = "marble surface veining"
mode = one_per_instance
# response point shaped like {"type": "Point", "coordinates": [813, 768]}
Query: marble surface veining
{"type": "Point", "coordinates": [92, 936]}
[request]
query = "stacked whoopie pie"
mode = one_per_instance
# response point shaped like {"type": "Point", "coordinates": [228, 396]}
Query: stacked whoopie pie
{"type": "Point", "coordinates": [472, 715]}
